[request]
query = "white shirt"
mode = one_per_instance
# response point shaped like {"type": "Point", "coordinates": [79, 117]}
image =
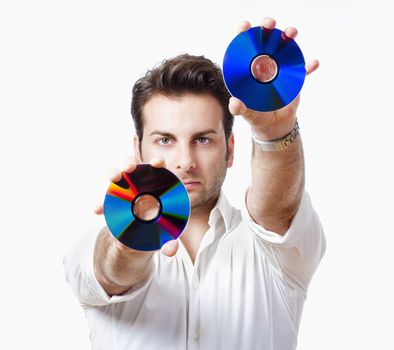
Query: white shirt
{"type": "Point", "coordinates": [245, 291]}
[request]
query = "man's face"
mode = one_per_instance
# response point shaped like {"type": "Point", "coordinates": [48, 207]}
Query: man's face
{"type": "Point", "coordinates": [187, 132]}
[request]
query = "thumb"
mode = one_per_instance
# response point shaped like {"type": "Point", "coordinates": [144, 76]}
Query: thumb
{"type": "Point", "coordinates": [99, 209]}
{"type": "Point", "coordinates": [236, 106]}
{"type": "Point", "coordinates": [170, 248]}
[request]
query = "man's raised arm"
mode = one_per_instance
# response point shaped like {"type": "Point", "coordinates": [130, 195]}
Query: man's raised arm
{"type": "Point", "coordinates": [277, 175]}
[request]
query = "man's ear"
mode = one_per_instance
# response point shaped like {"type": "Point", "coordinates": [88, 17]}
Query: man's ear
{"type": "Point", "coordinates": [230, 151]}
{"type": "Point", "coordinates": [136, 143]}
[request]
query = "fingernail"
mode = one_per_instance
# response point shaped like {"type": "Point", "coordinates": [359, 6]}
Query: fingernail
{"type": "Point", "coordinates": [165, 250]}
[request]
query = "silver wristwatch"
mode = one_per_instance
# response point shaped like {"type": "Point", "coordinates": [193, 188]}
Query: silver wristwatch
{"type": "Point", "coordinates": [279, 144]}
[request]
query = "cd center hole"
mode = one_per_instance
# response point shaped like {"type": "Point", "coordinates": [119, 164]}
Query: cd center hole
{"type": "Point", "coordinates": [264, 68]}
{"type": "Point", "coordinates": [146, 207]}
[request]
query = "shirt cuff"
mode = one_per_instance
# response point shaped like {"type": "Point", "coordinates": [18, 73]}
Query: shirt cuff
{"type": "Point", "coordinates": [297, 226]}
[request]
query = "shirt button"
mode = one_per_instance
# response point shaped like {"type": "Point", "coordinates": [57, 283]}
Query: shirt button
{"type": "Point", "coordinates": [196, 335]}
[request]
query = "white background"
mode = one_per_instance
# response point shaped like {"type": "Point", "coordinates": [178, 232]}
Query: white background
{"type": "Point", "coordinates": [66, 73]}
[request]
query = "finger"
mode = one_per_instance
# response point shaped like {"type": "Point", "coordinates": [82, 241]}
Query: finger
{"type": "Point", "coordinates": [99, 209]}
{"type": "Point", "coordinates": [237, 107]}
{"type": "Point", "coordinates": [170, 248]}
{"type": "Point", "coordinates": [157, 162]}
{"type": "Point", "coordinates": [130, 163]}
{"type": "Point", "coordinates": [312, 66]}
{"type": "Point", "coordinates": [268, 23]}
{"type": "Point", "coordinates": [115, 175]}
{"type": "Point", "coordinates": [290, 33]}
{"type": "Point", "coordinates": [243, 26]}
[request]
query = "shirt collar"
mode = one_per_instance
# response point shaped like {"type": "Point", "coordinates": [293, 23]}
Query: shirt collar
{"type": "Point", "coordinates": [221, 211]}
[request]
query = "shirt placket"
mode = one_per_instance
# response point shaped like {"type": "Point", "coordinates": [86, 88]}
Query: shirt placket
{"type": "Point", "coordinates": [195, 292]}
{"type": "Point", "coordinates": [194, 312]}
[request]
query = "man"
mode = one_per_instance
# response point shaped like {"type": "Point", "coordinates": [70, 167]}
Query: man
{"type": "Point", "coordinates": [232, 280]}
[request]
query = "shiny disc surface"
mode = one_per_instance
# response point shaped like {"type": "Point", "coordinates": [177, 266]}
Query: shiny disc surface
{"type": "Point", "coordinates": [131, 223]}
{"type": "Point", "coordinates": [275, 56]}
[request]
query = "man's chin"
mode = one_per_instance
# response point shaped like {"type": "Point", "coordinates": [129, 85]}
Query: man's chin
{"type": "Point", "coordinates": [198, 201]}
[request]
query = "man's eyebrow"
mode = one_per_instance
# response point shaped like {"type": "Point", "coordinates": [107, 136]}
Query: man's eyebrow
{"type": "Point", "coordinates": [167, 134]}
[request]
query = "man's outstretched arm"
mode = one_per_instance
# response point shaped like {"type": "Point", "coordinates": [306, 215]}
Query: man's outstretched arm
{"type": "Point", "coordinates": [278, 177]}
{"type": "Point", "coordinates": [275, 193]}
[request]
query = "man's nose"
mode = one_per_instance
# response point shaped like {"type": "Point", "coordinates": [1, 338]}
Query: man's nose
{"type": "Point", "coordinates": [185, 160]}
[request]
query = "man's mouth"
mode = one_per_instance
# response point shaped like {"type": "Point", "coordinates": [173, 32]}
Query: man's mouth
{"type": "Point", "coordinates": [190, 184]}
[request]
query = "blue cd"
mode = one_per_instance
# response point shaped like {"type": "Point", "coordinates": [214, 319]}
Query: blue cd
{"type": "Point", "coordinates": [146, 208]}
{"type": "Point", "coordinates": [264, 69]}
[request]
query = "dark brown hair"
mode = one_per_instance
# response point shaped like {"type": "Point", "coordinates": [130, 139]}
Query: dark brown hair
{"type": "Point", "coordinates": [176, 77]}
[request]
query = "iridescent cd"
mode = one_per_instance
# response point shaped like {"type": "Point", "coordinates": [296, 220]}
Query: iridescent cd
{"type": "Point", "coordinates": [264, 69]}
{"type": "Point", "coordinates": [146, 208]}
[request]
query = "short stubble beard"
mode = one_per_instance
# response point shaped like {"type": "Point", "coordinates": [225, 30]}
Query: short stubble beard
{"type": "Point", "coordinates": [208, 198]}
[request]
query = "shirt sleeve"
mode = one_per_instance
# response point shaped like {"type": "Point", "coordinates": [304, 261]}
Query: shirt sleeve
{"type": "Point", "coordinates": [297, 253]}
{"type": "Point", "coordinates": [78, 267]}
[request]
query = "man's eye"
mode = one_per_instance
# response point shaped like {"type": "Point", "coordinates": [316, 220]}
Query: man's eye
{"type": "Point", "coordinates": [202, 140]}
{"type": "Point", "coordinates": [163, 141]}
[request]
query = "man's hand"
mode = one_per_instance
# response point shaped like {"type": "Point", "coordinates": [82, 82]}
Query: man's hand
{"type": "Point", "coordinates": [169, 248]}
{"type": "Point", "coordinates": [118, 267]}
{"type": "Point", "coordinates": [270, 125]}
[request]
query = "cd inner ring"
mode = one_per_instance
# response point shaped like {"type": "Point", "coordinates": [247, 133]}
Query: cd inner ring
{"type": "Point", "coordinates": [146, 207]}
{"type": "Point", "coordinates": [264, 68]}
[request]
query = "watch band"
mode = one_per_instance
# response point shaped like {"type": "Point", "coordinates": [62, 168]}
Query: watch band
{"type": "Point", "coordinates": [279, 144]}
